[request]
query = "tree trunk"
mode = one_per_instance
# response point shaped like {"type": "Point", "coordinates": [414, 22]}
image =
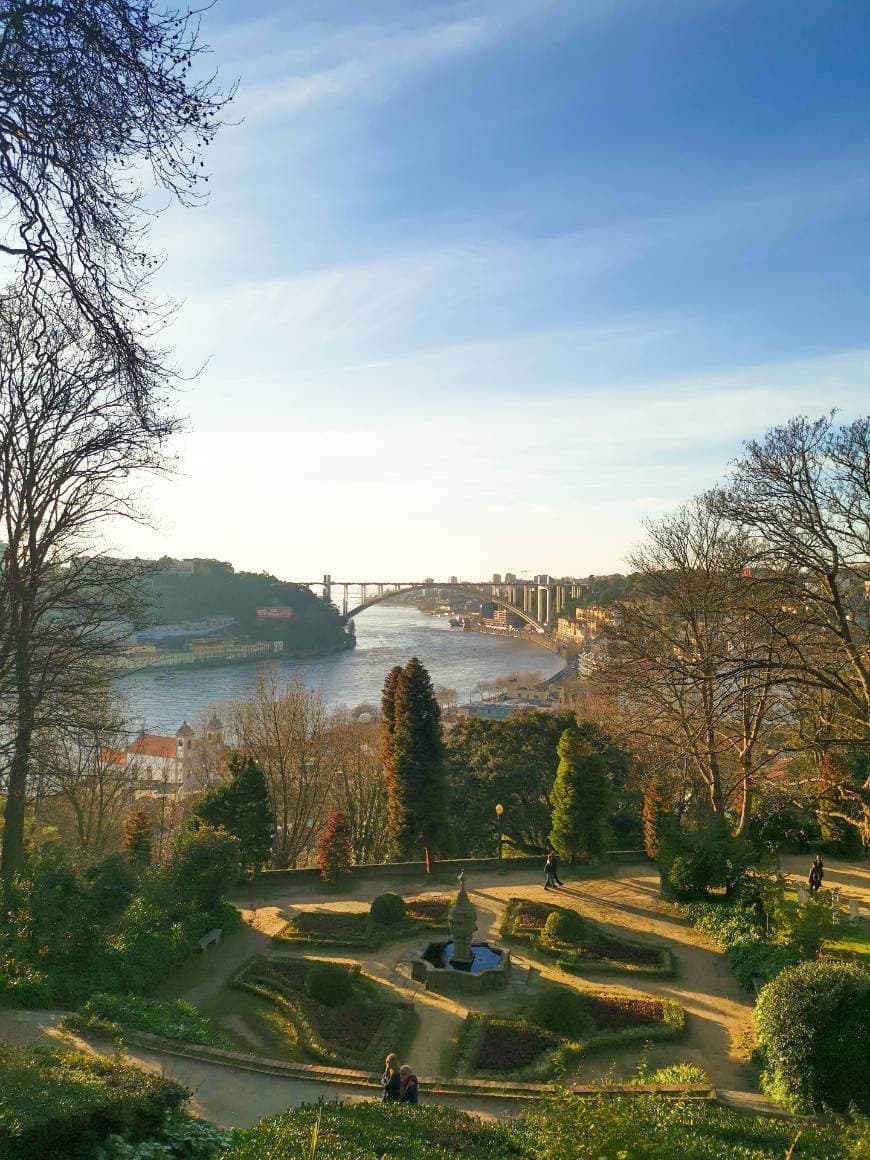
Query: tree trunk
{"type": "Point", "coordinates": [16, 801]}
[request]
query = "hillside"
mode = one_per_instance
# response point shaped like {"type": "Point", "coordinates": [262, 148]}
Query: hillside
{"type": "Point", "coordinates": [179, 591]}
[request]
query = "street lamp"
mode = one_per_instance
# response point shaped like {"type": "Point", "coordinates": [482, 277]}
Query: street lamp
{"type": "Point", "coordinates": [499, 810]}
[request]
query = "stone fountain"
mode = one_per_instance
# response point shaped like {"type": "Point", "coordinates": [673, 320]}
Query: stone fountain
{"type": "Point", "coordinates": [460, 964]}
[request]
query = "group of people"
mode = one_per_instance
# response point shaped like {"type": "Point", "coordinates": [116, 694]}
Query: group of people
{"type": "Point", "coordinates": [551, 872]}
{"type": "Point", "coordinates": [399, 1083]}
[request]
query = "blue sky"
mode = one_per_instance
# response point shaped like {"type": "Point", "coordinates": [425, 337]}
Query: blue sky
{"type": "Point", "coordinates": [482, 284]}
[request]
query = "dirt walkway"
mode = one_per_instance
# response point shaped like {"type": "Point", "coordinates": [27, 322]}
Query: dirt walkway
{"type": "Point", "coordinates": [626, 901]}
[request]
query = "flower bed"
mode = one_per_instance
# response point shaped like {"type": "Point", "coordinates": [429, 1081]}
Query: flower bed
{"type": "Point", "coordinates": [548, 1037]}
{"type": "Point", "coordinates": [338, 928]}
{"type": "Point", "coordinates": [591, 950]}
{"type": "Point", "coordinates": [356, 1032]}
{"type": "Point", "coordinates": [507, 1045]}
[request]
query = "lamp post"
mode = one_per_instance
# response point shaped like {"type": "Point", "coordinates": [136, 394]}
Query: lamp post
{"type": "Point", "coordinates": [499, 810]}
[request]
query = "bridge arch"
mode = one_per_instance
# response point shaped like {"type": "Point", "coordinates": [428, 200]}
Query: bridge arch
{"type": "Point", "coordinates": [467, 589]}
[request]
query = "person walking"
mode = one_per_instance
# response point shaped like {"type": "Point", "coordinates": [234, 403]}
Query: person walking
{"type": "Point", "coordinates": [409, 1091]}
{"type": "Point", "coordinates": [391, 1081]}
{"type": "Point", "coordinates": [549, 874]}
{"type": "Point", "coordinates": [817, 873]}
{"type": "Point", "coordinates": [554, 860]}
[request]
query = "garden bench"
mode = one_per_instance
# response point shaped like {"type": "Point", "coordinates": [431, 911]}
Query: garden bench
{"type": "Point", "coordinates": [210, 938]}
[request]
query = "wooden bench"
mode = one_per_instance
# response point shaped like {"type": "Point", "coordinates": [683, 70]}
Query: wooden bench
{"type": "Point", "coordinates": [210, 938]}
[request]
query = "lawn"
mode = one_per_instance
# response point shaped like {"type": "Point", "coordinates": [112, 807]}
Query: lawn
{"type": "Point", "coordinates": [577, 943]}
{"type": "Point", "coordinates": [856, 947]}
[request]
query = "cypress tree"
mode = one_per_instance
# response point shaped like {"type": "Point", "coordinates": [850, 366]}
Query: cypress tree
{"type": "Point", "coordinates": [581, 800]}
{"type": "Point", "coordinates": [335, 848]}
{"type": "Point", "coordinates": [415, 770]}
{"type": "Point", "coordinates": [655, 810]}
{"type": "Point", "coordinates": [241, 806]}
{"type": "Point", "coordinates": [138, 838]}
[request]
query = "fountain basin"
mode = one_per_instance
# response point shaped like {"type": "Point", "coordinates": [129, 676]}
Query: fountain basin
{"type": "Point", "coordinates": [436, 968]}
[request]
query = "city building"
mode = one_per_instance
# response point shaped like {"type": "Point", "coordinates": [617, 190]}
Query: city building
{"type": "Point", "coordinates": [188, 761]}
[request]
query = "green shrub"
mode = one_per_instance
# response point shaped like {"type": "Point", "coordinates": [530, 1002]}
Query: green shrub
{"type": "Point", "coordinates": [182, 1138]}
{"type": "Point", "coordinates": [694, 863]}
{"type": "Point", "coordinates": [171, 1020]}
{"type": "Point", "coordinates": [329, 983]}
{"type": "Point", "coordinates": [813, 1023]}
{"type": "Point", "coordinates": [565, 926]}
{"type": "Point", "coordinates": [730, 924]}
{"type": "Point", "coordinates": [759, 960]}
{"type": "Point", "coordinates": [388, 909]}
{"type": "Point", "coordinates": [63, 1104]}
{"type": "Point", "coordinates": [563, 1011]}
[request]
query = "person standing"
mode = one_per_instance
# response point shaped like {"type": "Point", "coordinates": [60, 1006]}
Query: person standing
{"type": "Point", "coordinates": [409, 1090]}
{"type": "Point", "coordinates": [817, 873]}
{"type": "Point", "coordinates": [549, 878]}
{"type": "Point", "coordinates": [391, 1081]}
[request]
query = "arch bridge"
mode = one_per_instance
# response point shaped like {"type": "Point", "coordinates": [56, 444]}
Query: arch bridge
{"type": "Point", "coordinates": [535, 602]}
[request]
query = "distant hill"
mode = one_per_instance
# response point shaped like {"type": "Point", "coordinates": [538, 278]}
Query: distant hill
{"type": "Point", "coordinates": [193, 590]}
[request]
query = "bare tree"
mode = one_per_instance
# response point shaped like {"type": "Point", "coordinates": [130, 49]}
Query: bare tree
{"type": "Point", "coordinates": [287, 730]}
{"type": "Point", "coordinates": [801, 495]}
{"type": "Point", "coordinates": [693, 662]}
{"type": "Point", "coordinates": [70, 437]}
{"type": "Point", "coordinates": [95, 97]}
{"type": "Point", "coordinates": [447, 698]}
{"type": "Point", "coordinates": [358, 784]}
{"type": "Point", "coordinates": [85, 767]}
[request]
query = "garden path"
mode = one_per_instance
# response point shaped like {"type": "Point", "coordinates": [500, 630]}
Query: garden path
{"type": "Point", "coordinates": [624, 899]}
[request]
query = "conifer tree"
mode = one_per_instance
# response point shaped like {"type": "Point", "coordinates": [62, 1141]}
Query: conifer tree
{"type": "Point", "coordinates": [388, 712]}
{"type": "Point", "coordinates": [241, 807]}
{"type": "Point", "coordinates": [655, 810]}
{"type": "Point", "coordinates": [581, 800]}
{"type": "Point", "coordinates": [335, 849]}
{"type": "Point", "coordinates": [414, 766]}
{"type": "Point", "coordinates": [138, 837]}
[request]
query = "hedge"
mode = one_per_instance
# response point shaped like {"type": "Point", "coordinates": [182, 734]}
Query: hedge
{"type": "Point", "coordinates": [813, 1024]}
{"type": "Point", "coordinates": [565, 1128]}
{"type": "Point", "coordinates": [578, 944]}
{"type": "Point", "coordinates": [64, 1103]}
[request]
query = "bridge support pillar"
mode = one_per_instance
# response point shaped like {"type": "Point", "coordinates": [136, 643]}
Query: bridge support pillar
{"type": "Point", "coordinates": [327, 588]}
{"type": "Point", "coordinates": [344, 603]}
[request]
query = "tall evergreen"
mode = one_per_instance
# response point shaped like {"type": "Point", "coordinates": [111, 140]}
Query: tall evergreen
{"type": "Point", "coordinates": [414, 766]}
{"type": "Point", "coordinates": [655, 810]}
{"type": "Point", "coordinates": [388, 712]}
{"type": "Point", "coordinates": [138, 838]}
{"type": "Point", "coordinates": [582, 799]}
{"type": "Point", "coordinates": [241, 806]}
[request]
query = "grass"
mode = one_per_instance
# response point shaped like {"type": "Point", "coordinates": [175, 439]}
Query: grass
{"type": "Point", "coordinates": [112, 1015]}
{"type": "Point", "coordinates": [592, 948]}
{"type": "Point", "coordinates": [855, 948]}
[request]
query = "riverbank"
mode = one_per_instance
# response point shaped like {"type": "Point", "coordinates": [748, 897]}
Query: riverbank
{"type": "Point", "coordinates": [386, 636]}
{"type": "Point", "coordinates": [256, 655]}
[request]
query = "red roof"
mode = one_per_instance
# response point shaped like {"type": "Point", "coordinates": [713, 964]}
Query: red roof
{"type": "Point", "coordinates": [152, 745]}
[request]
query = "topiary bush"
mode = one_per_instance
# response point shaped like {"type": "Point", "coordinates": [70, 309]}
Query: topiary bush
{"type": "Point", "coordinates": [565, 926]}
{"type": "Point", "coordinates": [388, 909]}
{"type": "Point", "coordinates": [813, 1025]}
{"type": "Point", "coordinates": [329, 983]}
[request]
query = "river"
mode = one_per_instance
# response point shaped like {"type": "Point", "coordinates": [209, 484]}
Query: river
{"type": "Point", "coordinates": [386, 636]}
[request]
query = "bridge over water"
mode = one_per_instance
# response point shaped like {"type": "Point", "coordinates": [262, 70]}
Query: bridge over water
{"type": "Point", "coordinates": [536, 602]}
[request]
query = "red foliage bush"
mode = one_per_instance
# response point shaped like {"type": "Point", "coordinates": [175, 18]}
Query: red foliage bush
{"type": "Point", "coordinates": [508, 1045]}
{"type": "Point", "coordinates": [532, 916]}
{"type": "Point", "coordinates": [612, 1013]}
{"type": "Point", "coordinates": [352, 1025]}
{"type": "Point", "coordinates": [431, 909]}
{"type": "Point", "coordinates": [335, 848]}
{"type": "Point", "coordinates": [619, 953]}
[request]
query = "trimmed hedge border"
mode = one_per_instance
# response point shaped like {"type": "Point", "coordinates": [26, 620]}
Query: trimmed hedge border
{"type": "Point", "coordinates": [565, 1052]}
{"type": "Point", "coordinates": [570, 958]}
{"type": "Point", "coordinates": [296, 1007]}
{"type": "Point", "coordinates": [369, 936]}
